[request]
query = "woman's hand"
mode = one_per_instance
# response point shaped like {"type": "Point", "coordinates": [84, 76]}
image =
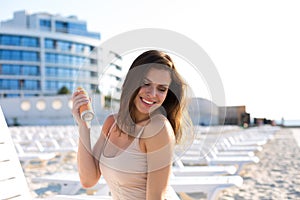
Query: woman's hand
{"type": "Point", "coordinates": [78, 99]}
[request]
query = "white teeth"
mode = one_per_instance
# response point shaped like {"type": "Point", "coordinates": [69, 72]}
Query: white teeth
{"type": "Point", "coordinates": [147, 102]}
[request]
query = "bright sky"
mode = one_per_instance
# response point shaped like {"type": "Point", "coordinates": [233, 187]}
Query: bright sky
{"type": "Point", "coordinates": [255, 45]}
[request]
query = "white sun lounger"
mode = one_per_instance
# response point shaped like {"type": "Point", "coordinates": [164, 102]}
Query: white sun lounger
{"type": "Point", "coordinates": [239, 161]}
{"type": "Point", "coordinates": [70, 183]}
{"type": "Point", "coordinates": [211, 185]}
{"type": "Point", "coordinates": [179, 169]}
{"type": "Point", "coordinates": [12, 180]}
{"type": "Point", "coordinates": [217, 152]}
{"type": "Point", "coordinates": [45, 139]}
{"type": "Point", "coordinates": [27, 157]}
{"type": "Point", "coordinates": [211, 158]}
{"type": "Point", "coordinates": [228, 145]}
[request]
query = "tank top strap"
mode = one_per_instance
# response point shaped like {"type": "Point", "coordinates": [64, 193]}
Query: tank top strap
{"type": "Point", "coordinates": [110, 129]}
{"type": "Point", "coordinates": [109, 132]}
{"type": "Point", "coordinates": [141, 132]}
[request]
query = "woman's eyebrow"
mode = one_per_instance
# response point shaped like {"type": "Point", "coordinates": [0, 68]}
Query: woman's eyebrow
{"type": "Point", "coordinates": [161, 84]}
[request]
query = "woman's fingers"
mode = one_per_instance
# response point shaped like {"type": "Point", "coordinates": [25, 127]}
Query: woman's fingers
{"type": "Point", "coordinates": [78, 103]}
{"type": "Point", "coordinates": [78, 100]}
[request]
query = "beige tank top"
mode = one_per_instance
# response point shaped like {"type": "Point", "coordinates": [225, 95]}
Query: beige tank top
{"type": "Point", "coordinates": [126, 173]}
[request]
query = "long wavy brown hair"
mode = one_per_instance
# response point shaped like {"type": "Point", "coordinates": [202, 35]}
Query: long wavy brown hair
{"type": "Point", "coordinates": [172, 106]}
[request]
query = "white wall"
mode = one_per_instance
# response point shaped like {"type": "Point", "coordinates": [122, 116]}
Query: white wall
{"type": "Point", "coordinates": [12, 109]}
{"type": "Point", "coordinates": [202, 111]}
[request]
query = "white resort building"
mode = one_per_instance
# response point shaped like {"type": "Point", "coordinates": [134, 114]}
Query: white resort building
{"type": "Point", "coordinates": [42, 55]}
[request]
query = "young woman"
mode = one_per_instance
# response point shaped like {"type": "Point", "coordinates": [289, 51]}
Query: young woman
{"type": "Point", "coordinates": [134, 151]}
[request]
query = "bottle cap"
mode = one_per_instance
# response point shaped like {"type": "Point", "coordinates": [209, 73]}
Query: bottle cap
{"type": "Point", "coordinates": [87, 115]}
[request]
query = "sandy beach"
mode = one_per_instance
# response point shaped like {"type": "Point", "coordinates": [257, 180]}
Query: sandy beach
{"type": "Point", "coordinates": [276, 176]}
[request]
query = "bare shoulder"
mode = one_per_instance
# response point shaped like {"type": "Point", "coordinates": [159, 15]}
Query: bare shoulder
{"type": "Point", "coordinates": [108, 123]}
{"type": "Point", "coordinates": [158, 133]}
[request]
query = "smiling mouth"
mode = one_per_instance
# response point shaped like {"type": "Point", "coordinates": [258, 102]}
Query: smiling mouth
{"type": "Point", "coordinates": [148, 102]}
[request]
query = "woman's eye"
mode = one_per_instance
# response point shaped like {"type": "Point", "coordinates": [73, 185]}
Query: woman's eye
{"type": "Point", "coordinates": [162, 89]}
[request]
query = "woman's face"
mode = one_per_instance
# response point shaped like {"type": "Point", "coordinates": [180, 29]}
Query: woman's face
{"type": "Point", "coordinates": [152, 93]}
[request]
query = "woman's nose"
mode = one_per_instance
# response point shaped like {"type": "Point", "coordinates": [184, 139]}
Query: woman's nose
{"type": "Point", "coordinates": [151, 91]}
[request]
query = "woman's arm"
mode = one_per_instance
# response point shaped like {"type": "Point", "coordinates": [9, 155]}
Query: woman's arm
{"type": "Point", "coordinates": [87, 158]}
{"type": "Point", "coordinates": [88, 166]}
{"type": "Point", "coordinates": [88, 161]}
{"type": "Point", "coordinates": [89, 172]}
{"type": "Point", "coordinates": [159, 148]}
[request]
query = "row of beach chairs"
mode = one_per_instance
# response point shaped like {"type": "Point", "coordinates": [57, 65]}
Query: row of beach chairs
{"type": "Point", "coordinates": [13, 184]}
{"type": "Point", "coordinates": [212, 163]}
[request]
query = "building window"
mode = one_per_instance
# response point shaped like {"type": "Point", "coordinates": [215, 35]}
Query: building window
{"type": "Point", "coordinates": [67, 46]}
{"type": "Point", "coordinates": [15, 55]}
{"type": "Point", "coordinates": [51, 85]}
{"type": "Point", "coordinates": [60, 72]}
{"type": "Point", "coordinates": [56, 85]}
{"type": "Point", "coordinates": [9, 84]}
{"type": "Point", "coordinates": [29, 42]}
{"type": "Point", "coordinates": [30, 70]}
{"type": "Point", "coordinates": [61, 27]}
{"type": "Point", "coordinates": [45, 25]}
{"type": "Point", "coordinates": [79, 48]}
{"type": "Point", "coordinates": [5, 40]}
{"type": "Point", "coordinates": [77, 27]}
{"type": "Point", "coordinates": [27, 70]}
{"type": "Point", "coordinates": [50, 58]}
{"type": "Point", "coordinates": [64, 46]}
{"type": "Point", "coordinates": [30, 56]}
{"type": "Point", "coordinates": [31, 85]}
{"type": "Point", "coordinates": [13, 40]}
{"type": "Point", "coordinates": [61, 84]}
{"type": "Point", "coordinates": [66, 59]}
{"type": "Point", "coordinates": [94, 74]}
{"type": "Point", "coordinates": [11, 69]}
{"type": "Point", "coordinates": [49, 44]}
{"type": "Point", "coordinates": [93, 61]}
{"type": "Point", "coordinates": [19, 55]}
{"type": "Point", "coordinates": [51, 71]}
